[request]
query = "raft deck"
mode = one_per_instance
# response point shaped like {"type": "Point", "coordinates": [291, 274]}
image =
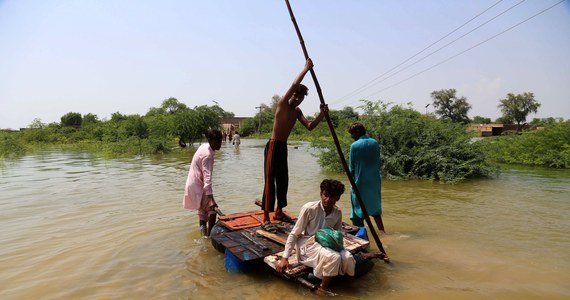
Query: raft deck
{"type": "Point", "coordinates": [247, 240]}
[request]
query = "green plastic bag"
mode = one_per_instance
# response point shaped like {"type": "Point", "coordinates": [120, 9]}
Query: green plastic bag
{"type": "Point", "coordinates": [330, 238]}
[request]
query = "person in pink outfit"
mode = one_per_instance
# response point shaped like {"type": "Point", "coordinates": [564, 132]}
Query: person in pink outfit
{"type": "Point", "coordinates": [198, 193]}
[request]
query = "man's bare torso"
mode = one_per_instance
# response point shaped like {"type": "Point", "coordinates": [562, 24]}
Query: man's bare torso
{"type": "Point", "coordinates": [285, 118]}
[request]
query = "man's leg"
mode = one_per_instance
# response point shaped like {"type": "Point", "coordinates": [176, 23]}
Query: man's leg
{"type": "Point", "coordinates": [379, 223]}
{"type": "Point", "coordinates": [326, 282]}
{"type": "Point", "coordinates": [211, 223]}
{"type": "Point", "coordinates": [281, 178]}
{"type": "Point", "coordinates": [268, 199]}
{"type": "Point", "coordinates": [203, 228]}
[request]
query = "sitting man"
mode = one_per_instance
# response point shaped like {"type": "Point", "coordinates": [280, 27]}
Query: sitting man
{"type": "Point", "coordinates": [326, 263]}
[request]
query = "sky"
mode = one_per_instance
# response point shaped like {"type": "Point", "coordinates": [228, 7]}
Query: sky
{"type": "Point", "coordinates": [106, 56]}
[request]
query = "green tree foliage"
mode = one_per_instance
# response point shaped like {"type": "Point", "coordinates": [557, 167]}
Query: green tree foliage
{"type": "Point", "coordinates": [449, 107]}
{"type": "Point", "coordinates": [117, 117]}
{"type": "Point", "coordinates": [481, 120]}
{"type": "Point", "coordinates": [347, 113]}
{"type": "Point", "coordinates": [155, 132]}
{"type": "Point", "coordinates": [414, 145]}
{"type": "Point", "coordinates": [221, 112]}
{"type": "Point", "coordinates": [37, 124]}
{"type": "Point", "coordinates": [548, 147]}
{"type": "Point", "coordinates": [208, 118]}
{"type": "Point", "coordinates": [504, 120]}
{"type": "Point", "coordinates": [518, 107]}
{"type": "Point", "coordinates": [251, 126]}
{"type": "Point", "coordinates": [90, 119]}
{"type": "Point", "coordinates": [173, 106]}
{"type": "Point", "coordinates": [546, 121]}
{"type": "Point", "coordinates": [10, 145]}
{"type": "Point", "coordinates": [71, 119]}
{"type": "Point", "coordinates": [185, 125]}
{"type": "Point", "coordinates": [136, 126]}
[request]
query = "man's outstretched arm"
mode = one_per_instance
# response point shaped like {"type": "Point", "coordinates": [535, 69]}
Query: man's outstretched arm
{"type": "Point", "coordinates": [298, 80]}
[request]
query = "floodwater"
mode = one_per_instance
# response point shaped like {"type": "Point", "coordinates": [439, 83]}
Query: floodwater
{"type": "Point", "coordinates": [76, 226]}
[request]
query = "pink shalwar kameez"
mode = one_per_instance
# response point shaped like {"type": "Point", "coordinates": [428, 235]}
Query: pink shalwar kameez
{"type": "Point", "coordinates": [199, 182]}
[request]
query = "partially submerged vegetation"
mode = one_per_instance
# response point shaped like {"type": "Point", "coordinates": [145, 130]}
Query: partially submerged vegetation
{"type": "Point", "coordinates": [160, 130]}
{"type": "Point", "coordinates": [414, 145]}
{"type": "Point", "coordinates": [548, 147]}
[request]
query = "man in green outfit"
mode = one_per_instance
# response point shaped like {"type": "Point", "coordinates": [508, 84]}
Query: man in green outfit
{"type": "Point", "coordinates": [364, 166]}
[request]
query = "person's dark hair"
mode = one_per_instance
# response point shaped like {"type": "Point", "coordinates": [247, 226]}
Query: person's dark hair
{"type": "Point", "coordinates": [214, 135]}
{"type": "Point", "coordinates": [332, 187]}
{"type": "Point", "coordinates": [301, 89]}
{"type": "Point", "coordinates": [357, 127]}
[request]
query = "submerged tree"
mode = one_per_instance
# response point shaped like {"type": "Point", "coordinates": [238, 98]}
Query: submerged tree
{"type": "Point", "coordinates": [449, 107]}
{"type": "Point", "coordinates": [518, 107]}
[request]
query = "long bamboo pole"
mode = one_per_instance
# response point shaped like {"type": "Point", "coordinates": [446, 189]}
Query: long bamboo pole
{"type": "Point", "coordinates": [335, 138]}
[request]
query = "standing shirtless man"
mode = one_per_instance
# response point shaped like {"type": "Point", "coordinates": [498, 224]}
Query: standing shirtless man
{"type": "Point", "coordinates": [275, 166]}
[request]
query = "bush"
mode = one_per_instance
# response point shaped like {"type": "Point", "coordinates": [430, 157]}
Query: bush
{"type": "Point", "coordinates": [10, 145]}
{"type": "Point", "coordinates": [413, 145]}
{"type": "Point", "coordinates": [549, 147]}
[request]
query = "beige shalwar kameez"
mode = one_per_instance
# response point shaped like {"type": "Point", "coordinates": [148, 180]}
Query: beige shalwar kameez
{"type": "Point", "coordinates": [324, 261]}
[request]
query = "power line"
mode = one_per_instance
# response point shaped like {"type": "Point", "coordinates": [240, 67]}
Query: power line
{"type": "Point", "coordinates": [468, 49]}
{"type": "Point", "coordinates": [366, 85]}
{"type": "Point", "coordinates": [455, 40]}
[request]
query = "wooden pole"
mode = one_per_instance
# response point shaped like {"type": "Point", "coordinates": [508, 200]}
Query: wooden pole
{"type": "Point", "coordinates": [335, 138]}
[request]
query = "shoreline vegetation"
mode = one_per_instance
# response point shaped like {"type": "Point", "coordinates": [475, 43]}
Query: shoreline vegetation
{"type": "Point", "coordinates": [413, 145]}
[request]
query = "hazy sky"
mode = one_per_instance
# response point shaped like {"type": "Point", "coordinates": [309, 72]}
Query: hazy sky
{"type": "Point", "coordinates": [105, 56]}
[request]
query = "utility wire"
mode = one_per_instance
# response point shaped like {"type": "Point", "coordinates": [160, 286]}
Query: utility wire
{"type": "Point", "coordinates": [455, 40]}
{"type": "Point", "coordinates": [468, 49]}
{"type": "Point", "coordinates": [366, 85]}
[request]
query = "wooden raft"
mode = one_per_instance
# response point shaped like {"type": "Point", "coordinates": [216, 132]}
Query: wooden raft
{"type": "Point", "coordinates": [242, 240]}
{"type": "Point", "coordinates": [247, 240]}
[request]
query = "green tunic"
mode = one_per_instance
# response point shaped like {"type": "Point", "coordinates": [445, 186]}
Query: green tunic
{"type": "Point", "coordinates": [364, 165]}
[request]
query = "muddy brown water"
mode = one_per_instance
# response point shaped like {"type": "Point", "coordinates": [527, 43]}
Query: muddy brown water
{"type": "Point", "coordinates": [77, 226]}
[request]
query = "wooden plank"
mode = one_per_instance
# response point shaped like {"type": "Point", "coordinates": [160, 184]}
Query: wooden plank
{"type": "Point", "coordinates": [272, 236]}
{"type": "Point", "coordinates": [248, 220]}
{"type": "Point", "coordinates": [229, 244]}
{"type": "Point", "coordinates": [241, 244]}
{"type": "Point", "coordinates": [255, 242]}
{"type": "Point", "coordinates": [239, 215]}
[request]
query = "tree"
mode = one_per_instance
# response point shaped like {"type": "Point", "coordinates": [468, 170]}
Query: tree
{"type": "Point", "coordinates": [221, 112]}
{"type": "Point", "coordinates": [274, 100]}
{"type": "Point", "coordinates": [481, 120]}
{"type": "Point", "coordinates": [504, 120]}
{"type": "Point", "coordinates": [90, 119]}
{"type": "Point", "coordinates": [136, 126]}
{"type": "Point", "coordinates": [117, 117]}
{"type": "Point", "coordinates": [449, 107]}
{"type": "Point", "coordinates": [172, 106]}
{"type": "Point", "coordinates": [347, 113]}
{"type": "Point", "coordinates": [518, 107]}
{"type": "Point", "coordinates": [37, 124]}
{"type": "Point", "coordinates": [71, 119]}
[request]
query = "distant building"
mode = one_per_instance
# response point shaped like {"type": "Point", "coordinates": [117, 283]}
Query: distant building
{"type": "Point", "coordinates": [230, 125]}
{"type": "Point", "coordinates": [484, 130]}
